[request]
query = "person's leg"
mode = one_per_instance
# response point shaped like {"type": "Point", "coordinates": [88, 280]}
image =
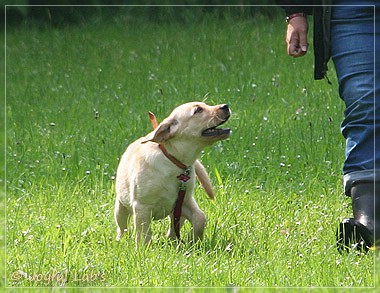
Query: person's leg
{"type": "Point", "coordinates": [353, 52]}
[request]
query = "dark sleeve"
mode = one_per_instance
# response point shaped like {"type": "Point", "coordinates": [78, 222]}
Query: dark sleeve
{"type": "Point", "coordinates": [296, 6]}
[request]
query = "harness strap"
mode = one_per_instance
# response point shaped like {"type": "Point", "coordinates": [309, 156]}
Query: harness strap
{"type": "Point", "coordinates": [177, 212]}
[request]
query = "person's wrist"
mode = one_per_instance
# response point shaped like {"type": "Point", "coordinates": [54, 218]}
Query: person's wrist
{"type": "Point", "coordinates": [294, 15]}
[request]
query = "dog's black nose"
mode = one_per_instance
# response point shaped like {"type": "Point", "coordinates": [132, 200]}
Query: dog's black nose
{"type": "Point", "coordinates": [225, 108]}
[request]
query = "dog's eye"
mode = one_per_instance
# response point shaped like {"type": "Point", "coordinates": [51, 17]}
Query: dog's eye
{"type": "Point", "coordinates": [198, 110]}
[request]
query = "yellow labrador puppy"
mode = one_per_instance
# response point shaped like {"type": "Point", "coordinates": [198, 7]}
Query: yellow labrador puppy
{"type": "Point", "coordinates": [156, 174]}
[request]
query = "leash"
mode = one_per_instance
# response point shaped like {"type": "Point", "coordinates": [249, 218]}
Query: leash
{"type": "Point", "coordinates": [183, 178]}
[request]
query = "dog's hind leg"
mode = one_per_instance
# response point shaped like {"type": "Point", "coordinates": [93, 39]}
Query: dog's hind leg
{"type": "Point", "coordinates": [196, 216]}
{"type": "Point", "coordinates": [142, 219]}
{"type": "Point", "coordinates": [203, 178]}
{"type": "Point", "coordinates": [121, 214]}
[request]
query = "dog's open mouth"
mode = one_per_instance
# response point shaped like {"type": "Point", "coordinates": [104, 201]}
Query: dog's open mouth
{"type": "Point", "coordinates": [216, 132]}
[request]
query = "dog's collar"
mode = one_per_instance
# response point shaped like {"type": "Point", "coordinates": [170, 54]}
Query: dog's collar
{"type": "Point", "coordinates": [184, 176]}
{"type": "Point", "coordinates": [174, 160]}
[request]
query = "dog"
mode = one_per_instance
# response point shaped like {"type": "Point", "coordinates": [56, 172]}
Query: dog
{"type": "Point", "coordinates": [156, 174]}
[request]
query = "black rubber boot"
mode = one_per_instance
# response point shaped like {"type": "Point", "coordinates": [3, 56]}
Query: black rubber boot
{"type": "Point", "coordinates": [359, 232]}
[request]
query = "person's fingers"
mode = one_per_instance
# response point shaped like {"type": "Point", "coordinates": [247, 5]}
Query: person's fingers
{"type": "Point", "coordinates": [303, 41]}
{"type": "Point", "coordinates": [295, 48]}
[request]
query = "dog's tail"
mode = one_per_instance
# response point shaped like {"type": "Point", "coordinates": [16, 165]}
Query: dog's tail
{"type": "Point", "coordinates": [153, 120]}
{"type": "Point", "coordinates": [200, 170]}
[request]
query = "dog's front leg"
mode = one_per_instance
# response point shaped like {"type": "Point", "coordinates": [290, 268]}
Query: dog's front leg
{"type": "Point", "coordinates": [142, 217]}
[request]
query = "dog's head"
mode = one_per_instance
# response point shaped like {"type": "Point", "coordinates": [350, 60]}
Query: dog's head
{"type": "Point", "coordinates": [195, 121]}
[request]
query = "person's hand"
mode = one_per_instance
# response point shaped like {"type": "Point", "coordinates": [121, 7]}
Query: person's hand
{"type": "Point", "coordinates": [296, 36]}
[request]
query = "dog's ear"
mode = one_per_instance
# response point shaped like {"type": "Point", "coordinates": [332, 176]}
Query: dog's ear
{"type": "Point", "coordinates": [164, 131]}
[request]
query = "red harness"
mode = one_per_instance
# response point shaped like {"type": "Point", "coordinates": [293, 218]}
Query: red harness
{"type": "Point", "coordinates": [183, 178]}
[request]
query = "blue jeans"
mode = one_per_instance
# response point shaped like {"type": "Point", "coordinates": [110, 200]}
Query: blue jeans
{"type": "Point", "coordinates": [353, 52]}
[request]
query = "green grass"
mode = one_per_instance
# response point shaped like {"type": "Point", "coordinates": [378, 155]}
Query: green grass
{"type": "Point", "coordinates": [78, 95]}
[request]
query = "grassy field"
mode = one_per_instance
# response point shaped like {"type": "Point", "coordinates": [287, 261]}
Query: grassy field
{"type": "Point", "coordinates": [77, 95]}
